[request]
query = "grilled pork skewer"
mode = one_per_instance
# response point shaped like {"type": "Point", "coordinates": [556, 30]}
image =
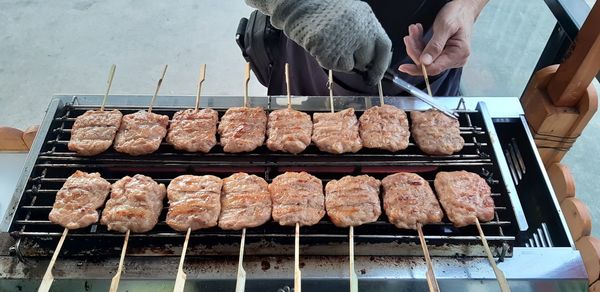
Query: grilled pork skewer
{"type": "Point", "coordinates": [352, 201]}
{"type": "Point", "coordinates": [288, 130]}
{"type": "Point", "coordinates": [194, 130]}
{"type": "Point", "coordinates": [142, 132]}
{"type": "Point", "coordinates": [465, 196]}
{"type": "Point", "coordinates": [194, 203]}
{"type": "Point", "coordinates": [245, 202]}
{"type": "Point", "coordinates": [297, 200]}
{"type": "Point", "coordinates": [384, 127]}
{"type": "Point", "coordinates": [134, 206]}
{"type": "Point", "coordinates": [308, 190]}
{"type": "Point", "coordinates": [435, 133]}
{"type": "Point", "coordinates": [75, 207]}
{"type": "Point", "coordinates": [467, 199]}
{"type": "Point", "coordinates": [243, 129]}
{"type": "Point", "coordinates": [336, 132]}
{"type": "Point", "coordinates": [409, 203]}
{"type": "Point", "coordinates": [94, 131]}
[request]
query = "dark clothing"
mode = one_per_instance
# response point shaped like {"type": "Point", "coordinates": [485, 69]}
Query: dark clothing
{"type": "Point", "coordinates": [395, 17]}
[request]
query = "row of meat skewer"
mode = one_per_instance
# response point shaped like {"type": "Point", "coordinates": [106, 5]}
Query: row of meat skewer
{"type": "Point", "coordinates": [243, 129]}
{"type": "Point", "coordinates": [243, 201]}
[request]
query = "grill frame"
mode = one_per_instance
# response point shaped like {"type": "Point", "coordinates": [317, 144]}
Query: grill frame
{"type": "Point", "coordinates": [465, 245]}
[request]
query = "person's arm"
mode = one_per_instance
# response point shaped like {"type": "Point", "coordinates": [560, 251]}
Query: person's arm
{"type": "Point", "coordinates": [341, 35]}
{"type": "Point", "coordinates": [450, 44]}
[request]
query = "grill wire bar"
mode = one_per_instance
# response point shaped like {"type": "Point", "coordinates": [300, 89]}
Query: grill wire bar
{"type": "Point", "coordinates": [55, 163]}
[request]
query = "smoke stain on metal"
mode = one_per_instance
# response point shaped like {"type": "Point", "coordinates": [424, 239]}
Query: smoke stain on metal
{"type": "Point", "coordinates": [265, 265]}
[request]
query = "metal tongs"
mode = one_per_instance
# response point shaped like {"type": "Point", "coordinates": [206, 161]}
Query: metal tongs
{"type": "Point", "coordinates": [418, 93]}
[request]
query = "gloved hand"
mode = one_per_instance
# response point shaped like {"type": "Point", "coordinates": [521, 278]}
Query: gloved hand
{"type": "Point", "coordinates": [342, 35]}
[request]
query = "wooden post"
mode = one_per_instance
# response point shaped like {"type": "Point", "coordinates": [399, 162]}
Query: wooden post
{"type": "Point", "coordinates": [575, 74]}
{"type": "Point", "coordinates": [560, 100]}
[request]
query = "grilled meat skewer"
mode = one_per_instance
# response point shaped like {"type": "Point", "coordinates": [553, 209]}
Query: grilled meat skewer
{"type": "Point", "coordinates": [297, 198]}
{"type": "Point", "coordinates": [135, 204]}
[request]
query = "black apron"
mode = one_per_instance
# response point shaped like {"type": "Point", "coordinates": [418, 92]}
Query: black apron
{"type": "Point", "coordinates": [307, 77]}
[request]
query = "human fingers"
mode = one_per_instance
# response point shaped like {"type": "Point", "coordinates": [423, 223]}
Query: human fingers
{"type": "Point", "coordinates": [412, 49]}
{"type": "Point", "coordinates": [436, 45]}
{"type": "Point", "coordinates": [455, 55]}
{"type": "Point", "coordinates": [410, 69]}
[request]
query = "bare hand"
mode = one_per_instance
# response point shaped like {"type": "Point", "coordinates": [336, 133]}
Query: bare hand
{"type": "Point", "coordinates": [449, 46]}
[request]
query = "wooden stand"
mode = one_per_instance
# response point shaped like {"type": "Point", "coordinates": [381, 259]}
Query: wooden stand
{"type": "Point", "coordinates": [578, 217]}
{"type": "Point", "coordinates": [555, 128]}
{"type": "Point", "coordinates": [590, 253]}
{"type": "Point", "coordinates": [562, 181]}
{"type": "Point", "coordinates": [560, 100]}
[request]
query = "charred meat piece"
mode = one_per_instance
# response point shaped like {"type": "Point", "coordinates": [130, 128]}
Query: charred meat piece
{"type": "Point", "coordinates": [242, 129]}
{"type": "Point", "coordinates": [245, 202]}
{"type": "Point", "coordinates": [288, 131]}
{"type": "Point", "coordinates": [384, 127]}
{"type": "Point", "coordinates": [353, 200]}
{"type": "Point", "coordinates": [464, 196]}
{"type": "Point", "coordinates": [135, 204]}
{"type": "Point", "coordinates": [408, 200]}
{"type": "Point", "coordinates": [297, 198]}
{"type": "Point", "coordinates": [435, 133]}
{"type": "Point", "coordinates": [194, 202]}
{"type": "Point", "coordinates": [94, 131]}
{"type": "Point", "coordinates": [336, 132]}
{"type": "Point", "coordinates": [141, 133]}
{"type": "Point", "coordinates": [79, 198]}
{"type": "Point", "coordinates": [193, 131]}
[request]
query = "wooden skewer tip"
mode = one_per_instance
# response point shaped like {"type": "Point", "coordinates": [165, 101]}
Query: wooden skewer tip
{"type": "Point", "coordinates": [114, 284]}
{"type": "Point", "coordinates": [48, 276]}
{"type": "Point", "coordinates": [111, 75]}
{"type": "Point", "coordinates": [200, 81]}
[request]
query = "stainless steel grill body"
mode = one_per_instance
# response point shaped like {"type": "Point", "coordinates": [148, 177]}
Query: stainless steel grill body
{"type": "Point", "coordinates": [388, 255]}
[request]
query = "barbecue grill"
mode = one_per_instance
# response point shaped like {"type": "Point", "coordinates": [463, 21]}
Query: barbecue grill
{"type": "Point", "coordinates": [528, 234]}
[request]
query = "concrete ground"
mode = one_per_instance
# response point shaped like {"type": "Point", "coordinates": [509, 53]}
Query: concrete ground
{"type": "Point", "coordinates": [50, 47]}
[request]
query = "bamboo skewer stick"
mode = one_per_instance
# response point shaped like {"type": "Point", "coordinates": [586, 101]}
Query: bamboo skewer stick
{"type": "Point", "coordinates": [426, 79]}
{"type": "Point", "coordinates": [181, 276]}
{"type": "Point", "coordinates": [297, 272]}
{"type": "Point", "coordinates": [353, 276]}
{"type": "Point", "coordinates": [246, 80]}
{"type": "Point", "coordinates": [287, 84]}
{"type": "Point", "coordinates": [114, 284]}
{"type": "Point", "coordinates": [330, 86]}
{"type": "Point", "coordinates": [381, 101]}
{"type": "Point", "coordinates": [158, 84]}
{"type": "Point", "coordinates": [499, 274]}
{"type": "Point", "coordinates": [200, 81]}
{"type": "Point", "coordinates": [111, 74]}
{"type": "Point", "coordinates": [431, 280]}
{"type": "Point", "coordinates": [240, 284]}
{"type": "Point", "coordinates": [48, 277]}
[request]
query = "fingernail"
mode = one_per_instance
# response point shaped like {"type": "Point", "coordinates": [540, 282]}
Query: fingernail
{"type": "Point", "coordinates": [401, 69]}
{"type": "Point", "coordinates": [426, 59]}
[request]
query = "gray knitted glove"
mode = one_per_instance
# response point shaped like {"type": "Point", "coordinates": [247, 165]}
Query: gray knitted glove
{"type": "Point", "coordinates": [341, 34]}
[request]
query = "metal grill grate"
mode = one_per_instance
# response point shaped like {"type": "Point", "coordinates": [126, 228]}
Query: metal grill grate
{"type": "Point", "coordinates": [55, 163]}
